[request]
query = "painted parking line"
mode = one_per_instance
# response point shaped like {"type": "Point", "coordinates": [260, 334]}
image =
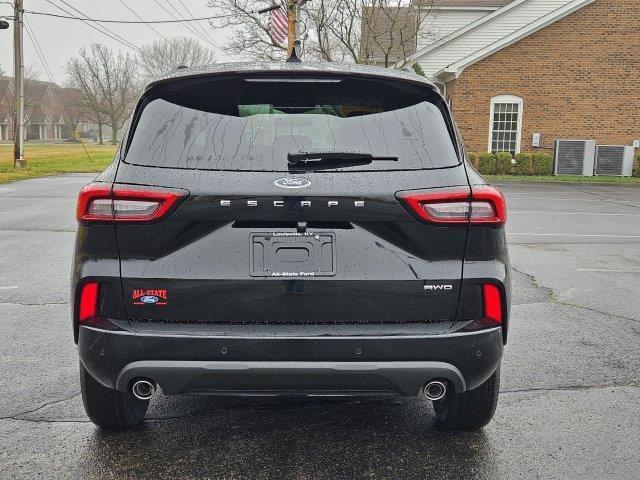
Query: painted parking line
{"type": "Point", "coordinates": [606, 270]}
{"type": "Point", "coordinates": [512, 196]}
{"type": "Point", "coordinates": [546, 212]}
{"type": "Point", "coordinates": [571, 235]}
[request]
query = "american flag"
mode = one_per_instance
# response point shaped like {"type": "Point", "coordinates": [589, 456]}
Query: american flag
{"type": "Point", "coordinates": [278, 25]}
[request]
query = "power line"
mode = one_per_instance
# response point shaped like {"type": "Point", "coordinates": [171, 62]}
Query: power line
{"type": "Point", "coordinates": [139, 17]}
{"type": "Point", "coordinates": [43, 60]}
{"type": "Point", "coordinates": [108, 33]}
{"type": "Point", "coordinates": [125, 43]}
{"type": "Point", "coordinates": [124, 22]}
{"type": "Point", "coordinates": [101, 26]}
{"type": "Point", "coordinates": [179, 17]}
{"type": "Point", "coordinates": [185, 25]}
{"type": "Point", "coordinates": [191, 16]}
{"type": "Point", "coordinates": [196, 24]}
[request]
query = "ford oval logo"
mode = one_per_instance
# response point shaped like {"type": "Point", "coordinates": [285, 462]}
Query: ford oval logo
{"type": "Point", "coordinates": [149, 299]}
{"type": "Point", "coordinates": [292, 182]}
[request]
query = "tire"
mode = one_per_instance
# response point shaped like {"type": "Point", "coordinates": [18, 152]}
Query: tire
{"type": "Point", "coordinates": [470, 410]}
{"type": "Point", "coordinates": [108, 408]}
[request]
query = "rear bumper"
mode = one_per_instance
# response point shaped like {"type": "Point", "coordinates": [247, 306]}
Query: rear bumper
{"type": "Point", "coordinates": [225, 364]}
{"type": "Point", "coordinates": [278, 378]}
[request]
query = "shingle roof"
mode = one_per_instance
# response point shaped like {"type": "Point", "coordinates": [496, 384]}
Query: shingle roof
{"type": "Point", "coordinates": [5, 82]}
{"type": "Point", "coordinates": [449, 56]}
{"type": "Point", "coordinates": [38, 104]}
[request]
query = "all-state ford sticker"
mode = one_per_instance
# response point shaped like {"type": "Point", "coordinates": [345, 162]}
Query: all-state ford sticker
{"type": "Point", "coordinates": [149, 297]}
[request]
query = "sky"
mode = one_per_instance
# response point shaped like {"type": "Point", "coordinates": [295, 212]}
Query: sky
{"type": "Point", "coordinates": [61, 39]}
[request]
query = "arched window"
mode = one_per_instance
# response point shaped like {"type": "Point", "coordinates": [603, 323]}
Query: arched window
{"type": "Point", "coordinates": [505, 124]}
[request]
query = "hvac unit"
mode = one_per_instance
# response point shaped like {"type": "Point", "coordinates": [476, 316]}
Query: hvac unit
{"type": "Point", "coordinates": [575, 157]}
{"type": "Point", "coordinates": [614, 160]}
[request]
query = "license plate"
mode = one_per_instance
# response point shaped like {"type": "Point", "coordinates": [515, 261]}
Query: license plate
{"type": "Point", "coordinates": [293, 254]}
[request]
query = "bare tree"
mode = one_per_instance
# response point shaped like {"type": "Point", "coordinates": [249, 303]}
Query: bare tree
{"type": "Point", "coordinates": [162, 56]}
{"type": "Point", "coordinates": [108, 84]}
{"type": "Point", "coordinates": [75, 109]}
{"type": "Point", "coordinates": [31, 82]}
{"type": "Point", "coordinates": [251, 37]}
{"type": "Point", "coordinates": [390, 31]}
{"type": "Point", "coordinates": [90, 99]}
{"type": "Point", "coordinates": [383, 32]}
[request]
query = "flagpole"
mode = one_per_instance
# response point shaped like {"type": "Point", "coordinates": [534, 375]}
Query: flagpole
{"type": "Point", "coordinates": [292, 25]}
{"type": "Point", "coordinates": [276, 25]}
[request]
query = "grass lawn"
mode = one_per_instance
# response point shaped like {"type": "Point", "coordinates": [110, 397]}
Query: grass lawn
{"type": "Point", "coordinates": [563, 179]}
{"type": "Point", "coordinates": [51, 159]}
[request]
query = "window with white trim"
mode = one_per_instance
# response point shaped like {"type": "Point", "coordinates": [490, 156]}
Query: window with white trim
{"type": "Point", "coordinates": [505, 124]}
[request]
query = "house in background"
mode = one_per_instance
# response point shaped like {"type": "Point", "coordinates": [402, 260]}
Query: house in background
{"type": "Point", "coordinates": [6, 115]}
{"type": "Point", "coordinates": [51, 112]}
{"type": "Point", "coordinates": [521, 74]}
{"type": "Point", "coordinates": [440, 18]}
{"type": "Point", "coordinates": [392, 34]}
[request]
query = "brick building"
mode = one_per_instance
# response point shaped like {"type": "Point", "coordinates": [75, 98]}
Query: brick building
{"type": "Point", "coordinates": [46, 117]}
{"type": "Point", "coordinates": [555, 68]}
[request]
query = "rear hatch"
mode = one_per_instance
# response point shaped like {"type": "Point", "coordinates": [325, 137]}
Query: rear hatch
{"type": "Point", "coordinates": [292, 212]}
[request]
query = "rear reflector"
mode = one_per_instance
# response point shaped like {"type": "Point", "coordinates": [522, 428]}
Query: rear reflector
{"type": "Point", "coordinates": [88, 307]}
{"type": "Point", "coordinates": [100, 203]}
{"type": "Point", "coordinates": [480, 204]}
{"type": "Point", "coordinates": [492, 303]}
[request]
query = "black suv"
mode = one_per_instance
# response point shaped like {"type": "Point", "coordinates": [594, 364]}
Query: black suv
{"type": "Point", "coordinates": [291, 229]}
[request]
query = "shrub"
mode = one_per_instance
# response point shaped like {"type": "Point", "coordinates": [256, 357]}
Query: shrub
{"type": "Point", "coordinates": [487, 164]}
{"type": "Point", "coordinates": [542, 163]}
{"type": "Point", "coordinates": [473, 159]}
{"type": "Point", "coordinates": [504, 163]}
{"type": "Point", "coordinates": [524, 164]}
{"type": "Point", "coordinates": [418, 69]}
{"type": "Point", "coordinates": [636, 165]}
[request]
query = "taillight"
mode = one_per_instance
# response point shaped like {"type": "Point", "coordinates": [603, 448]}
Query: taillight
{"type": "Point", "coordinates": [480, 204]}
{"type": "Point", "coordinates": [88, 306]}
{"type": "Point", "coordinates": [488, 205]}
{"type": "Point", "coordinates": [100, 203]}
{"type": "Point", "coordinates": [492, 303]}
{"type": "Point", "coordinates": [88, 196]}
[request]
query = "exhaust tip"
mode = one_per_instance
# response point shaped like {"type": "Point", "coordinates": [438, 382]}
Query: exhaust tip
{"type": "Point", "coordinates": [143, 389]}
{"type": "Point", "coordinates": [435, 390]}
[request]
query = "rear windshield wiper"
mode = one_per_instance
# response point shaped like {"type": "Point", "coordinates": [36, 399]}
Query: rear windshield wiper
{"type": "Point", "coordinates": [327, 160]}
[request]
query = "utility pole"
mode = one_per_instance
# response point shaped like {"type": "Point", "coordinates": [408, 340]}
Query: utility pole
{"type": "Point", "coordinates": [18, 79]}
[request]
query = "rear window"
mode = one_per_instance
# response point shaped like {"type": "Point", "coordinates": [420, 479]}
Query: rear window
{"type": "Point", "coordinates": [254, 123]}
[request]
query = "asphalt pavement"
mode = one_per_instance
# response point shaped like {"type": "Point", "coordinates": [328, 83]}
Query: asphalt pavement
{"type": "Point", "coordinates": [570, 394]}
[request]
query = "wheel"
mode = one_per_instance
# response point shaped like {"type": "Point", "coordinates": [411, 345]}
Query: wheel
{"type": "Point", "coordinates": [470, 410]}
{"type": "Point", "coordinates": [108, 408]}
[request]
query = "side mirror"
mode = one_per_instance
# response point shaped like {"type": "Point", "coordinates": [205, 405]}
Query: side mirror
{"type": "Point", "coordinates": [4, 24]}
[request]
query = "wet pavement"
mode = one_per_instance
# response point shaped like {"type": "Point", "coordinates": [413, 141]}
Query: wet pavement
{"type": "Point", "coordinates": [570, 393]}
